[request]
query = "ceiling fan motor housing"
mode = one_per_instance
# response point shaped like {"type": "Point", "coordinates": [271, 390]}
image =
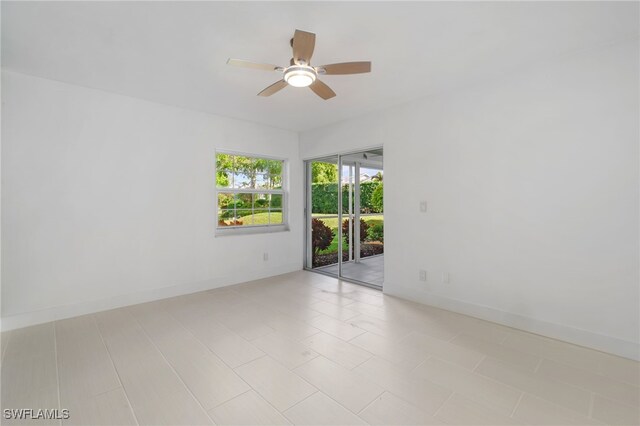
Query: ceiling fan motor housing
{"type": "Point", "coordinates": [300, 75]}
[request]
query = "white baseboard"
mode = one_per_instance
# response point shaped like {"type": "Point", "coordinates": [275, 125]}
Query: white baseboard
{"type": "Point", "coordinates": [26, 319]}
{"type": "Point", "coordinates": [565, 333]}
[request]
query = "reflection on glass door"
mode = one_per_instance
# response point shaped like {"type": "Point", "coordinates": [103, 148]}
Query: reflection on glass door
{"type": "Point", "coordinates": [345, 218]}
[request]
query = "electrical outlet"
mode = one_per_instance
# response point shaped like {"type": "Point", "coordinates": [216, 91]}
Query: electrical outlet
{"type": "Point", "coordinates": [423, 275]}
{"type": "Point", "coordinates": [423, 206]}
{"type": "Point", "coordinates": [445, 278]}
{"type": "Point", "coordinates": [265, 256]}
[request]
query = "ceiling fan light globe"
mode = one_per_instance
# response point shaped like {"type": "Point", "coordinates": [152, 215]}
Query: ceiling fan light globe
{"type": "Point", "coordinates": [300, 76]}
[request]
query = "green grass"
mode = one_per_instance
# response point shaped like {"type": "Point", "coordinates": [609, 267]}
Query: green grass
{"type": "Point", "coordinates": [333, 222]}
{"type": "Point", "coordinates": [262, 218]}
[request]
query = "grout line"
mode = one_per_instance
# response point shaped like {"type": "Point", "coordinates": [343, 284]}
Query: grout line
{"type": "Point", "coordinates": [479, 362]}
{"type": "Point", "coordinates": [6, 344]}
{"type": "Point", "coordinates": [232, 398]}
{"type": "Point", "coordinates": [171, 367]}
{"type": "Point", "coordinates": [251, 388]}
{"type": "Point", "coordinates": [248, 362]}
{"type": "Point", "coordinates": [329, 396]}
{"type": "Point", "coordinates": [421, 363]}
{"type": "Point", "coordinates": [299, 402]}
{"type": "Point", "coordinates": [535, 370]}
{"type": "Point", "coordinates": [451, 339]}
{"type": "Point", "coordinates": [372, 401]}
{"type": "Point", "coordinates": [515, 407]}
{"type": "Point", "coordinates": [591, 404]}
{"type": "Point", "coordinates": [115, 369]}
{"type": "Point", "coordinates": [55, 351]}
{"type": "Point", "coordinates": [435, 413]}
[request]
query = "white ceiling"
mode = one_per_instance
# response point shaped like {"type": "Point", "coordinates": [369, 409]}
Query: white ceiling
{"type": "Point", "coordinates": [175, 52]}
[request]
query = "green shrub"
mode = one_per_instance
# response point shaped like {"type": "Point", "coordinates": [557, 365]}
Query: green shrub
{"type": "Point", "coordinates": [363, 230]}
{"type": "Point", "coordinates": [321, 236]}
{"type": "Point", "coordinates": [376, 233]}
{"type": "Point", "coordinates": [324, 198]}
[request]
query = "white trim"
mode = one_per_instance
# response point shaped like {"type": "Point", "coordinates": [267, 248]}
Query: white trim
{"type": "Point", "coordinates": [253, 229]}
{"type": "Point", "coordinates": [89, 307]}
{"type": "Point", "coordinates": [249, 230]}
{"type": "Point", "coordinates": [321, 157]}
{"type": "Point", "coordinates": [609, 344]}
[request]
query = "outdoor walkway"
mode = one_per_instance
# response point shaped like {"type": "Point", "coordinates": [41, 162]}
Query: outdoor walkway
{"type": "Point", "coordinates": [369, 270]}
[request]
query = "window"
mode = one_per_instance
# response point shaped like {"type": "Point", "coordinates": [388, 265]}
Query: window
{"type": "Point", "coordinates": [250, 193]}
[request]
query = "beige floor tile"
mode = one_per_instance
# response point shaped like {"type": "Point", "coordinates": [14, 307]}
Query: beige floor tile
{"type": "Point", "coordinates": [372, 298]}
{"type": "Point", "coordinates": [292, 309]}
{"type": "Point", "coordinates": [343, 353]}
{"type": "Point", "coordinates": [388, 409]}
{"type": "Point", "coordinates": [42, 398]}
{"type": "Point", "coordinates": [321, 410]}
{"type": "Point", "coordinates": [231, 348]}
{"type": "Point", "coordinates": [338, 312]}
{"type": "Point", "coordinates": [443, 350]}
{"type": "Point", "coordinates": [29, 377]}
{"type": "Point", "coordinates": [210, 380]}
{"type": "Point", "coordinates": [615, 413]}
{"type": "Point", "coordinates": [459, 410]}
{"type": "Point", "coordinates": [492, 394]}
{"type": "Point", "coordinates": [282, 388]}
{"type": "Point", "coordinates": [155, 392]}
{"type": "Point", "coordinates": [392, 330]}
{"type": "Point", "coordinates": [5, 336]}
{"type": "Point", "coordinates": [402, 355]}
{"type": "Point", "coordinates": [335, 327]}
{"type": "Point", "coordinates": [509, 356]}
{"type": "Point", "coordinates": [485, 330]}
{"type": "Point", "coordinates": [290, 327]}
{"type": "Point", "coordinates": [561, 393]}
{"type": "Point", "coordinates": [536, 411]}
{"type": "Point", "coordinates": [603, 385]}
{"type": "Point", "coordinates": [617, 368]}
{"type": "Point", "coordinates": [109, 408]}
{"type": "Point", "coordinates": [84, 365]}
{"type": "Point", "coordinates": [247, 320]}
{"type": "Point", "coordinates": [165, 361]}
{"type": "Point", "coordinates": [334, 298]}
{"type": "Point", "coordinates": [352, 390]}
{"type": "Point", "coordinates": [413, 389]}
{"type": "Point", "coordinates": [287, 352]}
{"type": "Point", "coordinates": [248, 409]}
{"type": "Point", "coordinates": [369, 310]}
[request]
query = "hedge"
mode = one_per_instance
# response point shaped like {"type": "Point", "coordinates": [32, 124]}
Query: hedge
{"type": "Point", "coordinates": [324, 197]}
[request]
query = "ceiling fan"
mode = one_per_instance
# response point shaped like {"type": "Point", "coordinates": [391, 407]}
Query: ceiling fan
{"type": "Point", "coordinates": [300, 73]}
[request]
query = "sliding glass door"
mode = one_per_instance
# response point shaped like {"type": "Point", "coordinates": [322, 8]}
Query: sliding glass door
{"type": "Point", "coordinates": [344, 216]}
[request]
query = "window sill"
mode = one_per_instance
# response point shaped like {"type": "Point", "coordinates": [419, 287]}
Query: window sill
{"type": "Point", "coordinates": [250, 230]}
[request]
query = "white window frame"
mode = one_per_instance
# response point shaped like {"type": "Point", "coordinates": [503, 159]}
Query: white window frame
{"type": "Point", "coordinates": [253, 229]}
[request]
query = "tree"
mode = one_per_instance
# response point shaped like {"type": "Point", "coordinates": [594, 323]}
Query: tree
{"type": "Point", "coordinates": [377, 198]}
{"type": "Point", "coordinates": [324, 172]}
{"type": "Point", "coordinates": [377, 177]}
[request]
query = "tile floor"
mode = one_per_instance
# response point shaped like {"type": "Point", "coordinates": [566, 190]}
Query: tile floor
{"type": "Point", "coordinates": [369, 270]}
{"type": "Point", "coordinates": [304, 348]}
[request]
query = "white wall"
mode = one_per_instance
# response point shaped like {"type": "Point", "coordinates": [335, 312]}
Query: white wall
{"type": "Point", "coordinates": [532, 191]}
{"type": "Point", "coordinates": [109, 200]}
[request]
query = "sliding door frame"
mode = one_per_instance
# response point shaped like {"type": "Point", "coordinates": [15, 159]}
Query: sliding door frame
{"type": "Point", "coordinates": [308, 251]}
